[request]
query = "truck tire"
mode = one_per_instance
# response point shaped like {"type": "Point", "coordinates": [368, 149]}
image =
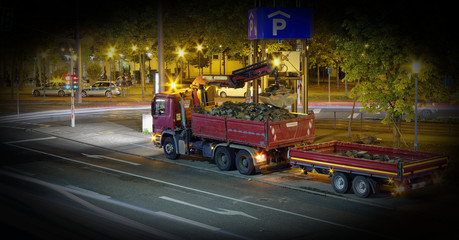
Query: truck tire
{"type": "Point", "coordinates": [224, 158]}
{"type": "Point", "coordinates": [244, 163]}
{"type": "Point", "coordinates": [170, 149]}
{"type": "Point", "coordinates": [340, 182]}
{"type": "Point", "coordinates": [361, 186]}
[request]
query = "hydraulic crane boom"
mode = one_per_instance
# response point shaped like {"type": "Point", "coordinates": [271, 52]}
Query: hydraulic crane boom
{"type": "Point", "coordinates": [238, 77]}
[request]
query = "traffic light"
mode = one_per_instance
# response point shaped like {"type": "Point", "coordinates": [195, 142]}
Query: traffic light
{"type": "Point", "coordinates": [71, 79]}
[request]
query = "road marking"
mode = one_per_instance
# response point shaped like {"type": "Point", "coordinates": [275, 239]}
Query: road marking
{"type": "Point", "coordinates": [186, 220]}
{"type": "Point", "coordinates": [202, 191]}
{"type": "Point", "coordinates": [30, 140]}
{"type": "Point", "coordinates": [222, 211]}
{"type": "Point", "coordinates": [110, 158]}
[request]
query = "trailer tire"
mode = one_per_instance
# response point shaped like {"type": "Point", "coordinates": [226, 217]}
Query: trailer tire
{"type": "Point", "coordinates": [340, 182]}
{"type": "Point", "coordinates": [170, 149]}
{"type": "Point", "coordinates": [224, 158]}
{"type": "Point", "coordinates": [361, 186]}
{"type": "Point", "coordinates": [244, 162]}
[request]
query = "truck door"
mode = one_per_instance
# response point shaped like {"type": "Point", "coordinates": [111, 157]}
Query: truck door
{"type": "Point", "coordinates": [159, 114]}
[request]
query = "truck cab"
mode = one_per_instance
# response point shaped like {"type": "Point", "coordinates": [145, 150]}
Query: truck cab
{"type": "Point", "coordinates": [171, 111]}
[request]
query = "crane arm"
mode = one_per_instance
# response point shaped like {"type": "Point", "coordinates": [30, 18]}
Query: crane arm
{"type": "Point", "coordinates": [238, 77]}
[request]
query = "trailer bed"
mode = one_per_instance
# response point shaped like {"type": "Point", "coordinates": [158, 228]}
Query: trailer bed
{"type": "Point", "coordinates": [402, 164]}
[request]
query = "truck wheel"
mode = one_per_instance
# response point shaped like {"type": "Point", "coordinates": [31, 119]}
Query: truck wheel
{"type": "Point", "coordinates": [61, 93]}
{"type": "Point", "coordinates": [224, 158]}
{"type": "Point", "coordinates": [340, 182]}
{"type": "Point", "coordinates": [84, 94]}
{"type": "Point", "coordinates": [170, 149]}
{"type": "Point", "coordinates": [361, 186]}
{"type": "Point", "coordinates": [36, 93]}
{"type": "Point", "coordinates": [244, 163]}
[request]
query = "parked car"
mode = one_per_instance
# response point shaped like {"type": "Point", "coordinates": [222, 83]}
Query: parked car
{"type": "Point", "coordinates": [54, 89]}
{"type": "Point", "coordinates": [101, 88]}
{"type": "Point", "coordinates": [233, 92]}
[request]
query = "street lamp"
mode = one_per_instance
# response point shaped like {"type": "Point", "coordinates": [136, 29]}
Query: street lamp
{"type": "Point", "coordinates": [181, 66]}
{"type": "Point", "coordinates": [110, 55]}
{"type": "Point", "coordinates": [199, 59]}
{"type": "Point", "coordinates": [416, 68]}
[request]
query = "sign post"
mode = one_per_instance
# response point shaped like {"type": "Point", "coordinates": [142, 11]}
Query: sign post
{"type": "Point", "coordinates": [330, 71]}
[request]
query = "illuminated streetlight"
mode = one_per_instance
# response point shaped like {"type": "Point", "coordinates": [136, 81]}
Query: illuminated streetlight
{"type": "Point", "coordinates": [181, 66]}
{"type": "Point", "coordinates": [199, 59]}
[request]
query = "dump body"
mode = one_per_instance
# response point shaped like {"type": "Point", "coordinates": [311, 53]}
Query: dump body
{"type": "Point", "coordinates": [262, 134]}
{"type": "Point", "coordinates": [413, 163]}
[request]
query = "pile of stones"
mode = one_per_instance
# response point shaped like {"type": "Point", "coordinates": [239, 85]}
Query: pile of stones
{"type": "Point", "coordinates": [249, 111]}
{"type": "Point", "coordinates": [366, 155]}
{"type": "Point", "coordinates": [279, 96]}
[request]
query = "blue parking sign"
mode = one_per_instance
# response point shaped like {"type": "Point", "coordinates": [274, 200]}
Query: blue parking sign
{"type": "Point", "coordinates": [279, 23]}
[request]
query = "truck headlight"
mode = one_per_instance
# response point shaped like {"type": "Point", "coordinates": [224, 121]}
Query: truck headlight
{"type": "Point", "coordinates": [261, 157]}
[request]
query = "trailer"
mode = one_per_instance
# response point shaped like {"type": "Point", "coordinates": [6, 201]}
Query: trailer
{"type": "Point", "coordinates": [364, 168]}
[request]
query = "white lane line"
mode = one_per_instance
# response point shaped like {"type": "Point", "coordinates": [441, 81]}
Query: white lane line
{"type": "Point", "coordinates": [110, 158]}
{"type": "Point", "coordinates": [30, 140]}
{"type": "Point", "coordinates": [222, 211]}
{"type": "Point", "coordinates": [205, 192]}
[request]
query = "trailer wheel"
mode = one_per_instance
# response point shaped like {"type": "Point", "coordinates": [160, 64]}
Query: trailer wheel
{"type": "Point", "coordinates": [224, 158]}
{"type": "Point", "coordinates": [170, 149]}
{"type": "Point", "coordinates": [340, 182]}
{"type": "Point", "coordinates": [244, 163]}
{"type": "Point", "coordinates": [361, 186]}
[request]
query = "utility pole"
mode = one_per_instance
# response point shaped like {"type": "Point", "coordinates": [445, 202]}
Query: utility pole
{"type": "Point", "coordinates": [160, 49]}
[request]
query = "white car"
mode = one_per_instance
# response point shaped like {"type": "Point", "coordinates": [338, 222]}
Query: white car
{"type": "Point", "coordinates": [101, 88]}
{"type": "Point", "coordinates": [233, 92]}
{"type": "Point", "coordinates": [54, 89]}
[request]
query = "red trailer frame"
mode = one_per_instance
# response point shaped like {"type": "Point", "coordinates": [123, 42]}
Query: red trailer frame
{"type": "Point", "coordinates": [415, 165]}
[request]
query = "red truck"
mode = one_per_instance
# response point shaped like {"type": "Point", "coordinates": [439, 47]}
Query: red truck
{"type": "Point", "coordinates": [249, 146]}
{"type": "Point", "coordinates": [366, 167]}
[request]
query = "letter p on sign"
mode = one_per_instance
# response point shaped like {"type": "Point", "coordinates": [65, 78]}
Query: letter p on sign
{"type": "Point", "coordinates": [278, 24]}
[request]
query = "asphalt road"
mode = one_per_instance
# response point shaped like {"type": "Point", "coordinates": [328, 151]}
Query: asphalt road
{"type": "Point", "coordinates": [53, 187]}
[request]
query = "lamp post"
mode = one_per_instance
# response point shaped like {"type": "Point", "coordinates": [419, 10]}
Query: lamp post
{"type": "Point", "coordinates": [181, 66]}
{"type": "Point", "coordinates": [199, 59]}
{"type": "Point", "coordinates": [416, 67]}
{"type": "Point", "coordinates": [110, 55]}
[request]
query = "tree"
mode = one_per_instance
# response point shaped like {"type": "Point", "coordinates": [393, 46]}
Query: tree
{"type": "Point", "coordinates": [379, 55]}
{"type": "Point", "coordinates": [94, 70]}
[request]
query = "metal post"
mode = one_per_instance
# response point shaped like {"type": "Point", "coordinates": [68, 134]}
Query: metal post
{"type": "Point", "coordinates": [304, 82]}
{"type": "Point", "coordinates": [415, 112]}
{"type": "Point", "coordinates": [334, 122]}
{"type": "Point", "coordinates": [161, 78]}
{"type": "Point", "coordinates": [329, 72]}
{"type": "Point", "coordinates": [72, 95]}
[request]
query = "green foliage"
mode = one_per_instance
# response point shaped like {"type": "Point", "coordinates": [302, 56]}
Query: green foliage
{"type": "Point", "coordinates": [378, 55]}
{"type": "Point", "coordinates": [94, 70]}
